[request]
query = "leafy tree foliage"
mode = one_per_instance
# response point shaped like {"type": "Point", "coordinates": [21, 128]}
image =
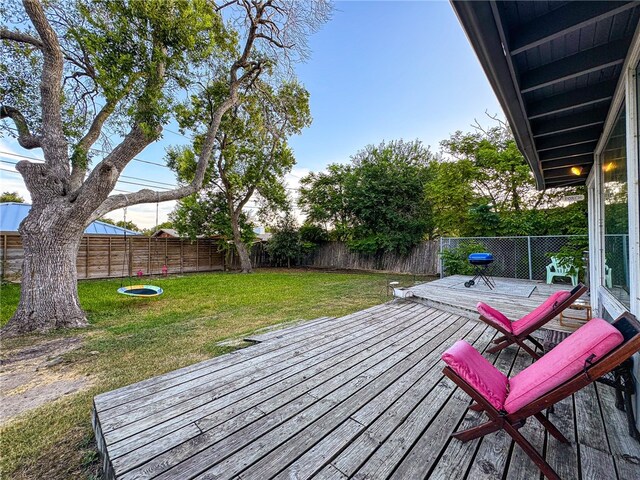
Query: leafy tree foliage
{"type": "Point", "coordinates": [377, 203]}
{"type": "Point", "coordinates": [323, 197]}
{"type": "Point", "coordinates": [207, 214]}
{"type": "Point", "coordinates": [11, 197]}
{"type": "Point", "coordinates": [386, 197]}
{"type": "Point", "coordinates": [285, 247]}
{"type": "Point", "coordinates": [313, 235]}
{"type": "Point", "coordinates": [490, 185]}
{"type": "Point", "coordinates": [500, 174]}
{"type": "Point", "coordinates": [251, 151]}
{"type": "Point", "coordinates": [480, 185]}
{"type": "Point", "coordinates": [450, 194]}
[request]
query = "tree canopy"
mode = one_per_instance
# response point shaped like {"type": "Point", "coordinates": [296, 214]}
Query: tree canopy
{"type": "Point", "coordinates": [251, 153]}
{"type": "Point", "coordinates": [396, 194]}
{"type": "Point", "coordinates": [377, 203]}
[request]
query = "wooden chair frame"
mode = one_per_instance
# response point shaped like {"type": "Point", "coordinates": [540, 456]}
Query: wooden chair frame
{"type": "Point", "coordinates": [509, 338]}
{"type": "Point", "coordinates": [627, 324]}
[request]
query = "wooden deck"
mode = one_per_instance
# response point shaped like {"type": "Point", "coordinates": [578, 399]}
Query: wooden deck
{"type": "Point", "coordinates": [360, 396]}
{"type": "Point", "coordinates": [441, 295]}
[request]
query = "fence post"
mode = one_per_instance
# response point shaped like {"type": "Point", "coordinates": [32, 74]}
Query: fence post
{"type": "Point", "coordinates": [4, 256]}
{"type": "Point", "coordinates": [529, 252]}
{"type": "Point", "coordinates": [5, 260]}
{"type": "Point", "coordinates": [86, 260]}
{"type": "Point", "coordinates": [440, 260]}
{"type": "Point", "coordinates": [130, 269]}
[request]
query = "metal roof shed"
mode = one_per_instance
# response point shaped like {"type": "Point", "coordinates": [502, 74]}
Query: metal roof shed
{"type": "Point", "coordinates": [12, 214]}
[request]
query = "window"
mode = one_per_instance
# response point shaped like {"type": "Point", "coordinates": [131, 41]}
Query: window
{"type": "Point", "coordinates": [616, 212]}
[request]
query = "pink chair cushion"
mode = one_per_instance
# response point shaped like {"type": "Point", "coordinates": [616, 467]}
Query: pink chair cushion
{"type": "Point", "coordinates": [545, 308]}
{"type": "Point", "coordinates": [562, 363]}
{"type": "Point", "coordinates": [490, 382]}
{"type": "Point", "coordinates": [494, 316]}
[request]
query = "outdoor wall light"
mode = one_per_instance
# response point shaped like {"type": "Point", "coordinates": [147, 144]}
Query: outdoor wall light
{"type": "Point", "coordinates": [576, 171]}
{"type": "Point", "coordinates": [607, 167]}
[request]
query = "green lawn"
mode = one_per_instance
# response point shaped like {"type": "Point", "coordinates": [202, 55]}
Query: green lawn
{"type": "Point", "coordinates": [131, 339]}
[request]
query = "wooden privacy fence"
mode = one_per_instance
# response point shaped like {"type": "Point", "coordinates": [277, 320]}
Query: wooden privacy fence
{"type": "Point", "coordinates": [421, 260]}
{"type": "Point", "coordinates": [107, 256]}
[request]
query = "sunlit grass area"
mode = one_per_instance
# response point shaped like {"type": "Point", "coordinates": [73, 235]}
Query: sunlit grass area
{"type": "Point", "coordinates": [131, 339]}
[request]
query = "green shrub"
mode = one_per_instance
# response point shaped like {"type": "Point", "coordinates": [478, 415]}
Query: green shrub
{"type": "Point", "coordinates": [455, 260]}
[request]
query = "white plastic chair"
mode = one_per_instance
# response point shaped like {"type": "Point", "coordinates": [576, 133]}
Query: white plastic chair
{"type": "Point", "coordinates": [554, 269]}
{"type": "Point", "coordinates": [607, 276]}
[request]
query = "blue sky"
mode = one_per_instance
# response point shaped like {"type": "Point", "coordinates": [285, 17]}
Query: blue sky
{"type": "Point", "coordinates": [389, 70]}
{"type": "Point", "coordinates": [379, 70]}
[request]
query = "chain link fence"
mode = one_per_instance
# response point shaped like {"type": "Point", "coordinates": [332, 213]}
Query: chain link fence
{"type": "Point", "coordinates": [516, 257]}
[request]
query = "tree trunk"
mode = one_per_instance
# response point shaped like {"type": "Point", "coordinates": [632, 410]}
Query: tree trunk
{"type": "Point", "coordinates": [243, 252]}
{"type": "Point", "coordinates": [49, 291]}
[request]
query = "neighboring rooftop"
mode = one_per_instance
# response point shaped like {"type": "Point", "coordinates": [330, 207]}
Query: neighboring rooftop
{"type": "Point", "coordinates": [264, 237]}
{"type": "Point", "coordinates": [166, 232]}
{"type": "Point", "coordinates": [12, 214]}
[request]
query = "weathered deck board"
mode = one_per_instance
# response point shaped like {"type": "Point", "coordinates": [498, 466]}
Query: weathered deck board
{"type": "Point", "coordinates": [362, 396]}
{"type": "Point", "coordinates": [274, 333]}
{"type": "Point", "coordinates": [148, 387]}
{"type": "Point", "coordinates": [354, 364]}
{"type": "Point", "coordinates": [439, 294]}
{"type": "Point", "coordinates": [187, 394]}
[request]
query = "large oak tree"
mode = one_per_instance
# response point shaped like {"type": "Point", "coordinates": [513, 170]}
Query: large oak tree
{"type": "Point", "coordinates": [73, 72]}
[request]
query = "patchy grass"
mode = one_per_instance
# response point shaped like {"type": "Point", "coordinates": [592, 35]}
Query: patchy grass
{"type": "Point", "coordinates": [131, 339]}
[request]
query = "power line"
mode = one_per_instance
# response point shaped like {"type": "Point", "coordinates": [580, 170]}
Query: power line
{"type": "Point", "coordinates": [142, 185]}
{"type": "Point", "coordinates": [157, 182]}
{"type": "Point", "coordinates": [122, 181]}
{"type": "Point", "coordinates": [21, 156]}
{"type": "Point", "coordinates": [135, 159]}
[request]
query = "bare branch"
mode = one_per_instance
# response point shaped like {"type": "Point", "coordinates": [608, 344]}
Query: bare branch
{"type": "Point", "coordinates": [225, 5]}
{"type": "Point", "coordinates": [275, 42]}
{"type": "Point", "coordinates": [25, 138]}
{"type": "Point", "coordinates": [20, 37]}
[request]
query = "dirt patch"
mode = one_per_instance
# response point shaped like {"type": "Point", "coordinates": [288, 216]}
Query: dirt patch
{"type": "Point", "coordinates": [37, 374]}
{"type": "Point", "coordinates": [40, 351]}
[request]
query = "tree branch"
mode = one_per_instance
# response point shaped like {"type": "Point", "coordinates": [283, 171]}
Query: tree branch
{"type": "Point", "coordinates": [79, 159]}
{"type": "Point", "coordinates": [54, 143]}
{"type": "Point", "coordinates": [20, 37]}
{"type": "Point", "coordinates": [110, 167]}
{"type": "Point", "coordinates": [25, 138]}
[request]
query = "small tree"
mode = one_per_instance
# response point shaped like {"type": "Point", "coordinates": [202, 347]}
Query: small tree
{"type": "Point", "coordinates": [206, 214]}
{"type": "Point", "coordinates": [285, 246]}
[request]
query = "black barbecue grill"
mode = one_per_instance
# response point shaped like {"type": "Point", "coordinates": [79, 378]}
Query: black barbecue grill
{"type": "Point", "coordinates": [481, 262]}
